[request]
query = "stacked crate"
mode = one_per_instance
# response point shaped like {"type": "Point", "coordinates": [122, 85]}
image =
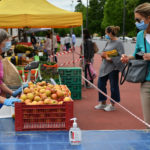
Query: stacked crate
{"type": "Point", "coordinates": [43, 117]}
{"type": "Point", "coordinates": [71, 76]}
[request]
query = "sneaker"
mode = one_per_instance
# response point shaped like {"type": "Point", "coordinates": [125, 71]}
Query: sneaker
{"type": "Point", "coordinates": [109, 108]}
{"type": "Point", "coordinates": [100, 106]}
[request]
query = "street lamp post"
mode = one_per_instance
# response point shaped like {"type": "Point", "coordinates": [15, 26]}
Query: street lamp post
{"type": "Point", "coordinates": [124, 16]}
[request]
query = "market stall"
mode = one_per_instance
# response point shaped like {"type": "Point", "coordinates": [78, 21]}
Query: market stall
{"type": "Point", "coordinates": [38, 14]}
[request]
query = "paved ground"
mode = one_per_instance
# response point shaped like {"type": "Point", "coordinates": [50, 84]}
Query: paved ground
{"type": "Point", "coordinates": [90, 119]}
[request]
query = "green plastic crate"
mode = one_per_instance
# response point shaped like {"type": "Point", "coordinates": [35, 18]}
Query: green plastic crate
{"type": "Point", "coordinates": [69, 80]}
{"type": "Point", "coordinates": [76, 95]}
{"type": "Point", "coordinates": [57, 81]}
{"type": "Point", "coordinates": [43, 58]}
{"type": "Point", "coordinates": [74, 88]}
{"type": "Point", "coordinates": [69, 71]}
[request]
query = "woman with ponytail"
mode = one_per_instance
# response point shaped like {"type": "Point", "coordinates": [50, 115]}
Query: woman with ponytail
{"type": "Point", "coordinates": [110, 67]}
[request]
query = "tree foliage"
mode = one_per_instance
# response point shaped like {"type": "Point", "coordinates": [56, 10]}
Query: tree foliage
{"type": "Point", "coordinates": [113, 15]}
{"type": "Point", "coordinates": [95, 15]}
{"type": "Point", "coordinates": [103, 13]}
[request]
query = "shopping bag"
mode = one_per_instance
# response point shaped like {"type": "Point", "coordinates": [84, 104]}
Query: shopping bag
{"type": "Point", "coordinates": [135, 71]}
{"type": "Point", "coordinates": [91, 73]}
{"type": "Point", "coordinates": [95, 47]}
{"type": "Point", "coordinates": [11, 74]}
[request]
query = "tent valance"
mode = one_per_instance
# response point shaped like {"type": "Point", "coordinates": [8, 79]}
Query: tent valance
{"type": "Point", "coordinates": [36, 14]}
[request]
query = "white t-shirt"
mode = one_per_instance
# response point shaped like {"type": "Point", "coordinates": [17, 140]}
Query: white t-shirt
{"type": "Point", "coordinates": [148, 38]}
{"type": "Point", "coordinates": [67, 40]}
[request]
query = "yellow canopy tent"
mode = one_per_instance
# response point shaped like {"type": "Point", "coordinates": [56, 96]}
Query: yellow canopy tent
{"type": "Point", "coordinates": [36, 14]}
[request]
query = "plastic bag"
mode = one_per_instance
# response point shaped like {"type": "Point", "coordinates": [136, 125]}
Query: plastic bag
{"type": "Point", "coordinates": [11, 74]}
{"type": "Point", "coordinates": [91, 73]}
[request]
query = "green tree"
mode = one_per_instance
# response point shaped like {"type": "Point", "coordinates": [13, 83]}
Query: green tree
{"type": "Point", "coordinates": [95, 15]}
{"type": "Point", "coordinates": [113, 15]}
{"type": "Point", "coordinates": [63, 31]}
{"type": "Point", "coordinates": [81, 8]}
{"type": "Point", "coordinates": [130, 22]}
{"type": "Point", "coordinates": [142, 1]}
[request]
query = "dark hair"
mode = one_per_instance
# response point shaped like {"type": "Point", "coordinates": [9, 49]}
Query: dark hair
{"type": "Point", "coordinates": [113, 29]}
{"type": "Point", "coordinates": [86, 34]}
{"type": "Point", "coordinates": [48, 35]}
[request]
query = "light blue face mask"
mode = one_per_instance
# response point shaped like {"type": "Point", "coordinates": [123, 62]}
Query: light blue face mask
{"type": "Point", "coordinates": [107, 37]}
{"type": "Point", "coordinates": [7, 46]}
{"type": "Point", "coordinates": [141, 25]}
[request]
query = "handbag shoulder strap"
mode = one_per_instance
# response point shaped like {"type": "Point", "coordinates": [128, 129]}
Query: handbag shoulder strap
{"type": "Point", "coordinates": [105, 46]}
{"type": "Point", "coordinates": [145, 45]}
{"type": "Point", "coordinates": [124, 73]}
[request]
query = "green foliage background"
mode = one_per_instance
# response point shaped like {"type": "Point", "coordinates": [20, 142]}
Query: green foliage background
{"type": "Point", "coordinates": [103, 13]}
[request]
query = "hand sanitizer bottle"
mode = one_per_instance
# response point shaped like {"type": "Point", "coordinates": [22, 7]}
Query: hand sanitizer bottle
{"type": "Point", "coordinates": [75, 133]}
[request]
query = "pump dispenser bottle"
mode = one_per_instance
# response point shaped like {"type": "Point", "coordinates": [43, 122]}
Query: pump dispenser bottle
{"type": "Point", "coordinates": [75, 133]}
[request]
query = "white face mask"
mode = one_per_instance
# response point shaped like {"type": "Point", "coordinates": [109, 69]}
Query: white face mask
{"type": "Point", "coordinates": [7, 46]}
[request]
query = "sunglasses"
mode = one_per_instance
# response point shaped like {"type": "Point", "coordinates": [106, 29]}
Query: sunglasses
{"type": "Point", "coordinates": [138, 20]}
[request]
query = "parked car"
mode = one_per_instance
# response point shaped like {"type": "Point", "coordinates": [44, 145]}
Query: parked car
{"type": "Point", "coordinates": [96, 38]}
{"type": "Point", "coordinates": [126, 38]}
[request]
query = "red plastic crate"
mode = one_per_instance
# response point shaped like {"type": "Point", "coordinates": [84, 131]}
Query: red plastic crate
{"type": "Point", "coordinates": [43, 117]}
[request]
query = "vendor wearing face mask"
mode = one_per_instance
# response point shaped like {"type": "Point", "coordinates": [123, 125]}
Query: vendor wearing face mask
{"type": "Point", "coordinates": [142, 22]}
{"type": "Point", "coordinates": [5, 45]}
{"type": "Point", "coordinates": [110, 67]}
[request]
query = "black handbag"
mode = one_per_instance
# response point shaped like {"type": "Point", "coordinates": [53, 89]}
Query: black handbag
{"type": "Point", "coordinates": [135, 71]}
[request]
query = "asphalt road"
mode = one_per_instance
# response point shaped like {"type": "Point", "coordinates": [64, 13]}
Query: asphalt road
{"type": "Point", "coordinates": [129, 47]}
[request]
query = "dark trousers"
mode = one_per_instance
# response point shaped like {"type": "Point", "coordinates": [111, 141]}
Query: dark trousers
{"type": "Point", "coordinates": [113, 77]}
{"type": "Point", "coordinates": [67, 46]}
{"type": "Point", "coordinates": [87, 70]}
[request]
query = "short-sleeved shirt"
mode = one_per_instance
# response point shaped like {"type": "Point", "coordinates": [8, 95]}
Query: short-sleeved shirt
{"type": "Point", "coordinates": [140, 46]}
{"type": "Point", "coordinates": [116, 64]}
{"type": "Point", "coordinates": [48, 44]}
{"type": "Point", "coordinates": [73, 38]}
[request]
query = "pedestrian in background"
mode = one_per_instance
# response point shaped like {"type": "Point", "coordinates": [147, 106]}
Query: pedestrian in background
{"type": "Point", "coordinates": [33, 41]}
{"type": "Point", "coordinates": [67, 42]}
{"type": "Point", "coordinates": [142, 18]}
{"type": "Point", "coordinates": [73, 39]}
{"type": "Point", "coordinates": [48, 44]}
{"type": "Point", "coordinates": [58, 38]}
{"type": "Point", "coordinates": [110, 67]}
{"type": "Point", "coordinates": [55, 47]}
{"type": "Point", "coordinates": [88, 56]}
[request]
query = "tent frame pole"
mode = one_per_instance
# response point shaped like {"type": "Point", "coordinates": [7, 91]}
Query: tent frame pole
{"type": "Point", "coordinates": [82, 56]}
{"type": "Point", "coordinates": [73, 48]}
{"type": "Point", "coordinates": [82, 47]}
{"type": "Point", "coordinates": [53, 46]}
